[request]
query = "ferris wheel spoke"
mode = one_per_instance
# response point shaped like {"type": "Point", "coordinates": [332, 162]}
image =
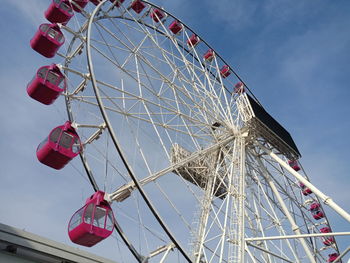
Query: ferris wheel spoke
{"type": "Point", "coordinates": [136, 96]}
{"type": "Point", "coordinates": [190, 70]}
{"type": "Point", "coordinates": [105, 55]}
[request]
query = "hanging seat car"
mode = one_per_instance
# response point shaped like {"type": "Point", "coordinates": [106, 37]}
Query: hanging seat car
{"type": "Point", "coordinates": [193, 41]}
{"type": "Point", "coordinates": [332, 257]}
{"type": "Point", "coordinates": [175, 27]}
{"type": "Point", "coordinates": [225, 71]}
{"type": "Point", "coordinates": [239, 88]}
{"type": "Point", "coordinates": [59, 11]}
{"type": "Point", "coordinates": [47, 40]}
{"type": "Point", "coordinates": [117, 3]}
{"type": "Point", "coordinates": [79, 3]}
{"type": "Point", "coordinates": [60, 147]}
{"type": "Point", "coordinates": [209, 55]}
{"type": "Point", "coordinates": [328, 240]}
{"type": "Point", "coordinates": [93, 222]}
{"type": "Point", "coordinates": [316, 211]}
{"type": "Point", "coordinates": [47, 84]}
{"type": "Point", "coordinates": [95, 2]}
{"type": "Point", "coordinates": [305, 190]}
{"type": "Point", "coordinates": [294, 164]}
{"type": "Point", "coordinates": [157, 15]}
{"type": "Point", "coordinates": [137, 6]}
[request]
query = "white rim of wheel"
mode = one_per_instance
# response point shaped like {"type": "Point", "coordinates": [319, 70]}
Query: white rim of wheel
{"type": "Point", "coordinates": [147, 105]}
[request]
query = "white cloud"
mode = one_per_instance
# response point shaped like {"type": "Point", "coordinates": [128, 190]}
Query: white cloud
{"type": "Point", "coordinates": [32, 10]}
{"type": "Point", "coordinates": [236, 14]}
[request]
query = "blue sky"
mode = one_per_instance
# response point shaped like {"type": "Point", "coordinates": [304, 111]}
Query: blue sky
{"type": "Point", "coordinates": [294, 56]}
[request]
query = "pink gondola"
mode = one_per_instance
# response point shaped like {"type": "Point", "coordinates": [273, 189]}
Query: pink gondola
{"type": "Point", "coordinates": [175, 27]}
{"type": "Point", "coordinates": [193, 40]}
{"type": "Point", "coordinates": [225, 71]}
{"type": "Point", "coordinates": [93, 222]}
{"type": "Point", "coordinates": [316, 211]}
{"type": "Point", "coordinates": [117, 3]}
{"type": "Point", "coordinates": [47, 84]}
{"type": "Point", "coordinates": [157, 15]}
{"type": "Point", "coordinates": [47, 40]}
{"type": "Point", "coordinates": [328, 240]}
{"type": "Point", "coordinates": [95, 2]}
{"type": "Point", "coordinates": [332, 257]}
{"type": "Point", "coordinates": [137, 6]}
{"type": "Point", "coordinates": [80, 3]}
{"type": "Point", "coordinates": [59, 11]}
{"type": "Point", "coordinates": [294, 164]}
{"type": "Point", "coordinates": [305, 190]}
{"type": "Point", "coordinates": [239, 88]}
{"type": "Point", "coordinates": [60, 147]}
{"type": "Point", "coordinates": [209, 55]}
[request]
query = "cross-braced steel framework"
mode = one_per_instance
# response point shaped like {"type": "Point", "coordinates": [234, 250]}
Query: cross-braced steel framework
{"type": "Point", "coordinates": [194, 174]}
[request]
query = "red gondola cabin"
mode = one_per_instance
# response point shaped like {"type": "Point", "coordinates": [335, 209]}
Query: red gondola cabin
{"type": "Point", "coordinates": [316, 211]}
{"type": "Point", "coordinates": [137, 6]}
{"type": "Point", "coordinates": [175, 27]}
{"type": "Point", "coordinates": [117, 3]}
{"type": "Point", "coordinates": [328, 240]}
{"type": "Point", "coordinates": [209, 55]}
{"type": "Point", "coordinates": [47, 84]}
{"type": "Point", "coordinates": [294, 165]}
{"type": "Point", "coordinates": [95, 2]}
{"type": "Point", "coordinates": [47, 40]}
{"type": "Point", "coordinates": [157, 15]}
{"type": "Point", "coordinates": [79, 3]}
{"type": "Point", "coordinates": [225, 71]}
{"type": "Point", "coordinates": [239, 88]}
{"type": "Point", "coordinates": [60, 147]}
{"type": "Point", "coordinates": [332, 257]}
{"type": "Point", "coordinates": [93, 222]}
{"type": "Point", "coordinates": [193, 41]}
{"type": "Point", "coordinates": [305, 190]}
{"type": "Point", "coordinates": [59, 11]}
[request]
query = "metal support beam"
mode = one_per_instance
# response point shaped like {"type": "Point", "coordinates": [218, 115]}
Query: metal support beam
{"type": "Point", "coordinates": [125, 190]}
{"type": "Point", "coordinates": [326, 199]}
{"type": "Point", "coordinates": [298, 236]}
{"type": "Point", "coordinates": [269, 252]}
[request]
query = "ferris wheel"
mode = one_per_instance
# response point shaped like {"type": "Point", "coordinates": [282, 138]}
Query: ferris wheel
{"type": "Point", "coordinates": [186, 164]}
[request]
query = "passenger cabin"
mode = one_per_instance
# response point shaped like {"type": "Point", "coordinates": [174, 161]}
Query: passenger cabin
{"type": "Point", "coordinates": [175, 27]}
{"type": "Point", "coordinates": [305, 190]}
{"type": "Point", "coordinates": [225, 71]}
{"type": "Point", "coordinates": [137, 6]}
{"type": "Point", "coordinates": [47, 84]}
{"type": "Point", "coordinates": [294, 164]}
{"type": "Point", "coordinates": [316, 211]}
{"type": "Point", "coordinates": [328, 240]}
{"type": "Point", "coordinates": [60, 147]}
{"type": "Point", "coordinates": [193, 41]}
{"type": "Point", "coordinates": [332, 257]}
{"type": "Point", "coordinates": [209, 55]}
{"type": "Point", "coordinates": [117, 3]}
{"type": "Point", "coordinates": [93, 222]}
{"type": "Point", "coordinates": [47, 40]}
{"type": "Point", "coordinates": [59, 11]}
{"type": "Point", "coordinates": [157, 15]}
{"type": "Point", "coordinates": [239, 88]}
{"type": "Point", "coordinates": [95, 2]}
{"type": "Point", "coordinates": [79, 5]}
